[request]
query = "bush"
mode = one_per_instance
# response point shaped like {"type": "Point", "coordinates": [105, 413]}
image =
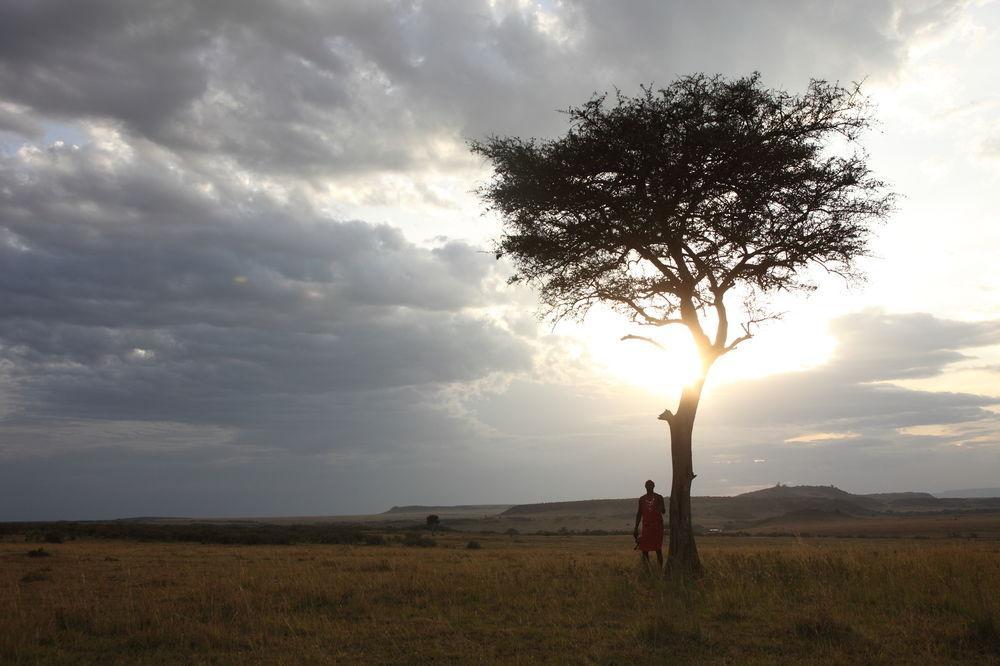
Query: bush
{"type": "Point", "coordinates": [374, 540]}
{"type": "Point", "coordinates": [418, 540]}
{"type": "Point", "coordinates": [53, 537]}
{"type": "Point", "coordinates": [473, 545]}
{"type": "Point", "coordinates": [39, 552]}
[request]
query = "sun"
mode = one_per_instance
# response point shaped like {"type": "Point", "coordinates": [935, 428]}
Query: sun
{"type": "Point", "coordinates": [659, 371]}
{"type": "Point", "coordinates": [787, 346]}
{"type": "Point", "coordinates": [662, 371]}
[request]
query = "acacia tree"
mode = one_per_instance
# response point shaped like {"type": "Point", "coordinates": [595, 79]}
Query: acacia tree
{"type": "Point", "coordinates": [660, 205]}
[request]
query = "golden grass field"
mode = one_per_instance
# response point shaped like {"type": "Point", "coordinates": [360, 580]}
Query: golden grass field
{"type": "Point", "coordinates": [525, 600]}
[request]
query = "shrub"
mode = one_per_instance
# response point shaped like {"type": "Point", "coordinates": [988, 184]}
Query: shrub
{"type": "Point", "coordinates": [418, 540]}
{"type": "Point", "coordinates": [39, 552]}
{"type": "Point", "coordinates": [374, 540]}
{"type": "Point", "coordinates": [473, 545]}
{"type": "Point", "coordinates": [53, 537]}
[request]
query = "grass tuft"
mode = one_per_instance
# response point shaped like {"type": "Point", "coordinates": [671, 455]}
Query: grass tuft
{"type": "Point", "coordinates": [824, 628]}
{"type": "Point", "coordinates": [34, 577]}
{"type": "Point", "coordinates": [661, 632]}
{"type": "Point", "coordinates": [983, 634]}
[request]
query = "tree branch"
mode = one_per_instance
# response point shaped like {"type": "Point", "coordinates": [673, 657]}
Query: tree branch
{"type": "Point", "coordinates": [743, 338]}
{"type": "Point", "coordinates": [644, 339]}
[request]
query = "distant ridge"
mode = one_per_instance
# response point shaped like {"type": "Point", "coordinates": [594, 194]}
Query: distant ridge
{"type": "Point", "coordinates": [780, 490]}
{"type": "Point", "coordinates": [810, 515]}
{"type": "Point", "coordinates": [895, 497]}
{"type": "Point", "coordinates": [778, 510]}
{"type": "Point", "coordinates": [776, 500]}
{"type": "Point", "coordinates": [422, 508]}
{"type": "Point", "coordinates": [970, 492]}
{"type": "Point", "coordinates": [574, 506]}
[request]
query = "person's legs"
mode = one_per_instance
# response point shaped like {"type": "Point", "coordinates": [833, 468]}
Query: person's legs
{"type": "Point", "coordinates": [645, 559]}
{"type": "Point", "coordinates": [659, 557]}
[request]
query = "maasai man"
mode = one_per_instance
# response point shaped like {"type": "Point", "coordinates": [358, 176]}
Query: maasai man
{"type": "Point", "coordinates": [650, 512]}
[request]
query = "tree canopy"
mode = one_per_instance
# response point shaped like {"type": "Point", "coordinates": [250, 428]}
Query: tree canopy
{"type": "Point", "coordinates": [661, 203]}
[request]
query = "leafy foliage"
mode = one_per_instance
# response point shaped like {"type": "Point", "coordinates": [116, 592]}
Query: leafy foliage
{"type": "Point", "coordinates": [659, 204]}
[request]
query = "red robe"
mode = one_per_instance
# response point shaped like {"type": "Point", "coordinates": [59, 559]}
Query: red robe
{"type": "Point", "coordinates": [651, 537]}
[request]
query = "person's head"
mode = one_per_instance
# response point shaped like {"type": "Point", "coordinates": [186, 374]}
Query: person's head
{"type": "Point", "coordinates": [649, 486]}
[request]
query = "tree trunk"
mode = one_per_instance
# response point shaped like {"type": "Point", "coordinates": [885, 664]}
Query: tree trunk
{"type": "Point", "coordinates": [683, 555]}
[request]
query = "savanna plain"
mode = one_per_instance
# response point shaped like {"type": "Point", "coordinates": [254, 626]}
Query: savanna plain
{"type": "Point", "coordinates": [512, 599]}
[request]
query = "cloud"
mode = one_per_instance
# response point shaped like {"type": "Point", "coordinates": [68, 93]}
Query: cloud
{"type": "Point", "coordinates": [138, 291]}
{"type": "Point", "coordinates": [845, 422]}
{"type": "Point", "coordinates": [332, 89]}
{"type": "Point", "coordinates": [853, 390]}
{"type": "Point", "coordinates": [16, 121]}
{"type": "Point", "coordinates": [990, 147]}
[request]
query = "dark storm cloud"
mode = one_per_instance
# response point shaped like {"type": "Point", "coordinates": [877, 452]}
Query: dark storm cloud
{"type": "Point", "coordinates": [348, 87]}
{"type": "Point", "coordinates": [136, 291]}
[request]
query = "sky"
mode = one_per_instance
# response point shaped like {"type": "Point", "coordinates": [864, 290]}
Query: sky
{"type": "Point", "coordinates": [244, 271]}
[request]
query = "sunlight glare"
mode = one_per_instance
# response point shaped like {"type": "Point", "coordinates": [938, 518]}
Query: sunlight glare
{"type": "Point", "coordinates": [660, 371]}
{"type": "Point", "coordinates": [786, 346]}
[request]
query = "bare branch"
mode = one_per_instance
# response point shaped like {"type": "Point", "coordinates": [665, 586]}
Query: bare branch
{"type": "Point", "coordinates": [731, 346]}
{"type": "Point", "coordinates": [747, 334]}
{"type": "Point", "coordinates": [644, 339]}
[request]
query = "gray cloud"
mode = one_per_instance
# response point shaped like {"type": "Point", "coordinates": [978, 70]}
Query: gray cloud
{"type": "Point", "coordinates": [851, 391]}
{"type": "Point", "coordinates": [16, 121]}
{"type": "Point", "coordinates": [137, 291]}
{"type": "Point", "coordinates": [845, 422]}
{"type": "Point", "coordinates": [348, 87]}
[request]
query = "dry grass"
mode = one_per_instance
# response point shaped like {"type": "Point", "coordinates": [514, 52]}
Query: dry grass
{"type": "Point", "coordinates": [523, 600]}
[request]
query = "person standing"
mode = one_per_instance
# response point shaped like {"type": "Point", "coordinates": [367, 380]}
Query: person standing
{"type": "Point", "coordinates": [650, 514]}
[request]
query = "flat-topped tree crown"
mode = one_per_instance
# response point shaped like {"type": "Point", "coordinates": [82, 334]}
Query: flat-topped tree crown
{"type": "Point", "coordinates": [659, 204]}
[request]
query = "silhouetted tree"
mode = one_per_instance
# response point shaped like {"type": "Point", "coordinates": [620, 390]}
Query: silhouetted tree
{"type": "Point", "coordinates": [660, 205]}
{"type": "Point", "coordinates": [433, 520]}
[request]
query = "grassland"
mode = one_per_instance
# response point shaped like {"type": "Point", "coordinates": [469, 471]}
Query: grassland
{"type": "Point", "coordinates": [568, 599]}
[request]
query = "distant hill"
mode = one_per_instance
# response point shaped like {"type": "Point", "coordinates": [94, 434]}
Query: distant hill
{"type": "Point", "coordinates": [970, 492]}
{"type": "Point", "coordinates": [781, 509]}
{"type": "Point", "coordinates": [458, 508]}
{"type": "Point", "coordinates": [805, 515]}
{"type": "Point", "coordinates": [579, 507]}
{"type": "Point", "coordinates": [782, 491]}
{"type": "Point", "coordinates": [896, 497]}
